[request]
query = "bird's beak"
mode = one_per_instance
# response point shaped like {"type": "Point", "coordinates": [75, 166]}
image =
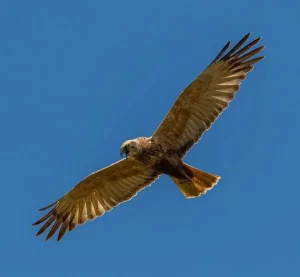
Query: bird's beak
{"type": "Point", "coordinates": [122, 153]}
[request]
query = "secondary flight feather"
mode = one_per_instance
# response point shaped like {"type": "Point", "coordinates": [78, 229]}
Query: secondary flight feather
{"type": "Point", "coordinates": [193, 113]}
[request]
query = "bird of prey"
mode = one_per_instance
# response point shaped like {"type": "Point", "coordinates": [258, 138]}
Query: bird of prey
{"type": "Point", "coordinates": [193, 113]}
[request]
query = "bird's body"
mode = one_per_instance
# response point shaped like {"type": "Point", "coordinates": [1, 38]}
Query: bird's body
{"type": "Point", "coordinates": [158, 157]}
{"type": "Point", "coordinates": [193, 113]}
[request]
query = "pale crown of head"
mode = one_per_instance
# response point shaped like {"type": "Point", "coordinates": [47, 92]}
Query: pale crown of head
{"type": "Point", "coordinates": [129, 147]}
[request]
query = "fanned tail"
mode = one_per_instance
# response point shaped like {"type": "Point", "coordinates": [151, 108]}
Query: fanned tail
{"type": "Point", "coordinates": [199, 183]}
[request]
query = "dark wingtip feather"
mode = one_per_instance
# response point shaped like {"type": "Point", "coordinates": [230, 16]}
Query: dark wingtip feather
{"type": "Point", "coordinates": [43, 218]}
{"type": "Point", "coordinates": [234, 54]}
{"type": "Point", "coordinates": [237, 46]}
{"type": "Point", "coordinates": [245, 48]}
{"type": "Point", "coordinates": [248, 55]}
{"type": "Point", "coordinates": [59, 237]}
{"type": "Point", "coordinates": [63, 229]}
{"type": "Point", "coordinates": [221, 52]}
{"type": "Point", "coordinates": [46, 226]}
{"type": "Point", "coordinates": [41, 231]}
{"type": "Point", "coordinates": [244, 38]}
{"type": "Point", "coordinates": [53, 229]}
{"type": "Point", "coordinates": [253, 61]}
{"type": "Point", "coordinates": [48, 207]}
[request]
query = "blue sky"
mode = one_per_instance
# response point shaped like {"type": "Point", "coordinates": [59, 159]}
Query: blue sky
{"type": "Point", "coordinates": [79, 79]}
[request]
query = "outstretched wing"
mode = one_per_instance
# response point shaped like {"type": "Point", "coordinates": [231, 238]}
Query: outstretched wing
{"type": "Point", "coordinates": [96, 194]}
{"type": "Point", "coordinates": [200, 104]}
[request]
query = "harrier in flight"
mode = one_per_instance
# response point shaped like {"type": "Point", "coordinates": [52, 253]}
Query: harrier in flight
{"type": "Point", "coordinates": [193, 113]}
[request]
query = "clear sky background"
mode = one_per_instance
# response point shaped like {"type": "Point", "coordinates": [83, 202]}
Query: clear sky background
{"type": "Point", "coordinates": [80, 77]}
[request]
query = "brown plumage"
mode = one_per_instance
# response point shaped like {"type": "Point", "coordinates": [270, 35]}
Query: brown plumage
{"type": "Point", "coordinates": [193, 113]}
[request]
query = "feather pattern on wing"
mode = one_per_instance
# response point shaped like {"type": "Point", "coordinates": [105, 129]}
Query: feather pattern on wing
{"type": "Point", "coordinates": [200, 104]}
{"type": "Point", "coordinates": [96, 194]}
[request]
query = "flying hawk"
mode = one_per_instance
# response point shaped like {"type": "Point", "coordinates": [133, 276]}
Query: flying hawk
{"type": "Point", "coordinates": [193, 113]}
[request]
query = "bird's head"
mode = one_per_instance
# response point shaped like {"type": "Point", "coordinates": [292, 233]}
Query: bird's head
{"type": "Point", "coordinates": [129, 148]}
